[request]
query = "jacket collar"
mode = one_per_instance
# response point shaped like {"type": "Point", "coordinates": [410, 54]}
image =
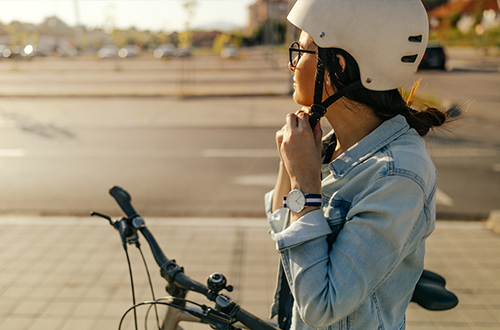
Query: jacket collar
{"type": "Point", "coordinates": [387, 132]}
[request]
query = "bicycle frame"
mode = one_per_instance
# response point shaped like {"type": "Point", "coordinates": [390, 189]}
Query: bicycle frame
{"type": "Point", "coordinates": [174, 316]}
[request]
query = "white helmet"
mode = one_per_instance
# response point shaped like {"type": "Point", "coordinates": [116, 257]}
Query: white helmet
{"type": "Point", "coordinates": [387, 38]}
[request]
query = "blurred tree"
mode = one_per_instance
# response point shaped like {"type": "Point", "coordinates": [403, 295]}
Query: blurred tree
{"type": "Point", "coordinates": [271, 32]}
{"type": "Point", "coordinates": [162, 38]}
{"type": "Point", "coordinates": [185, 39]}
{"type": "Point", "coordinates": [220, 42]}
{"type": "Point", "coordinates": [56, 27]}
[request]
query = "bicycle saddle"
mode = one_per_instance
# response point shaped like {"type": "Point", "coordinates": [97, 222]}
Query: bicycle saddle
{"type": "Point", "coordinates": [431, 294]}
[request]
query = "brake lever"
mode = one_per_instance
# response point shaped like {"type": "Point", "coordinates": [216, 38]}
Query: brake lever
{"type": "Point", "coordinates": [128, 231]}
{"type": "Point", "coordinates": [92, 214]}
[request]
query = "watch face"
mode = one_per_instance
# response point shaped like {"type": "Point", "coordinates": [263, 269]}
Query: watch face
{"type": "Point", "coordinates": [296, 201]}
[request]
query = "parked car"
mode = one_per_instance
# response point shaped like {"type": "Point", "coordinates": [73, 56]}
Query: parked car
{"type": "Point", "coordinates": [66, 51]}
{"type": "Point", "coordinates": [164, 50]}
{"type": "Point", "coordinates": [434, 57]}
{"type": "Point", "coordinates": [129, 51]}
{"type": "Point", "coordinates": [5, 51]}
{"type": "Point", "coordinates": [108, 51]}
{"type": "Point", "coordinates": [182, 52]}
{"type": "Point", "coordinates": [229, 52]}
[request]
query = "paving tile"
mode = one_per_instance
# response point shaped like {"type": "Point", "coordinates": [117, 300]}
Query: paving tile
{"type": "Point", "coordinates": [16, 323]}
{"type": "Point", "coordinates": [45, 323]}
{"type": "Point", "coordinates": [420, 326]}
{"type": "Point", "coordinates": [416, 314]}
{"type": "Point", "coordinates": [89, 308]}
{"type": "Point", "coordinates": [81, 324]}
{"type": "Point", "coordinates": [478, 315]}
{"type": "Point", "coordinates": [59, 308]}
{"type": "Point", "coordinates": [81, 279]}
{"type": "Point", "coordinates": [490, 299]}
{"type": "Point", "coordinates": [29, 307]}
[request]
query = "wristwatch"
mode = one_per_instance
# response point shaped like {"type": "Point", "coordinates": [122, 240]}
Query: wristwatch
{"type": "Point", "coordinates": [296, 200]}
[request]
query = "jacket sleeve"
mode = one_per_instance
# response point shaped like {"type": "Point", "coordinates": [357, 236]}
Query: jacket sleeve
{"type": "Point", "coordinates": [329, 285]}
{"type": "Point", "coordinates": [277, 219]}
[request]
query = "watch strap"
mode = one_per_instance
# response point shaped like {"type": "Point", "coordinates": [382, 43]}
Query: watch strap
{"type": "Point", "coordinates": [311, 200]}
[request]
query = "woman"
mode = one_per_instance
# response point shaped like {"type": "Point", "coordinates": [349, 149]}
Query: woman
{"type": "Point", "coordinates": [350, 215]}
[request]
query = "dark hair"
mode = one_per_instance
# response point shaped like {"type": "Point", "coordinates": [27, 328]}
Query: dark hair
{"type": "Point", "coordinates": [385, 104]}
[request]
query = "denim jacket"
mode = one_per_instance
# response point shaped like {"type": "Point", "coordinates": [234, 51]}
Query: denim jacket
{"type": "Point", "coordinates": [354, 263]}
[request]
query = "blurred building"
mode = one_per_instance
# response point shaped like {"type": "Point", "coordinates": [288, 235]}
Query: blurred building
{"type": "Point", "coordinates": [204, 38]}
{"type": "Point", "coordinates": [267, 10]}
{"type": "Point", "coordinates": [465, 15]}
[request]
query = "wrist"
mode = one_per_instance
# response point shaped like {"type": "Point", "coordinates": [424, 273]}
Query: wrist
{"type": "Point", "coordinates": [306, 188]}
{"type": "Point", "coordinates": [296, 216]}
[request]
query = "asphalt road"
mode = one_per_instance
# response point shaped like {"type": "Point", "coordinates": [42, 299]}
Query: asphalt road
{"type": "Point", "coordinates": [204, 156]}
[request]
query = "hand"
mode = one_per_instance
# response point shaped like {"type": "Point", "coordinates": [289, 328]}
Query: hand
{"type": "Point", "coordinates": [300, 151]}
{"type": "Point", "coordinates": [281, 132]}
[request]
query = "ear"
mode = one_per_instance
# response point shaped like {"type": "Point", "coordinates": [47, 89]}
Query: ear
{"type": "Point", "coordinates": [341, 62]}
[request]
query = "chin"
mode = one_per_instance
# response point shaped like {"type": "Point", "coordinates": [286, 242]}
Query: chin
{"type": "Point", "coordinates": [301, 100]}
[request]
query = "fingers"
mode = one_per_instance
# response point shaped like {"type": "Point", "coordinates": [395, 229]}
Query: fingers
{"type": "Point", "coordinates": [303, 120]}
{"type": "Point", "coordinates": [318, 134]}
{"type": "Point", "coordinates": [291, 120]}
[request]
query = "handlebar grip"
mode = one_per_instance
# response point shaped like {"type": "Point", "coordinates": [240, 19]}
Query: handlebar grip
{"type": "Point", "coordinates": [123, 199]}
{"type": "Point", "coordinates": [252, 321]}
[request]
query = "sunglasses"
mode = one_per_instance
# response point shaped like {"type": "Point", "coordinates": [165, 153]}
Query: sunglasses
{"type": "Point", "coordinates": [295, 53]}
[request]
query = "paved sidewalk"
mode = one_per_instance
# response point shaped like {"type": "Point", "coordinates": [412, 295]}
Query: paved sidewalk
{"type": "Point", "coordinates": [71, 273]}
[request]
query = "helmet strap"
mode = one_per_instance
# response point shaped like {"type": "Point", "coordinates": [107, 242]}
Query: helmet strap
{"type": "Point", "coordinates": [319, 107]}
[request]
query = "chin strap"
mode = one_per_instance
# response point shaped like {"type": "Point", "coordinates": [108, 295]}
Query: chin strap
{"type": "Point", "coordinates": [319, 107]}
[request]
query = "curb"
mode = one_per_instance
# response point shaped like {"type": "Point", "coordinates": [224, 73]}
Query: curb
{"type": "Point", "coordinates": [493, 221]}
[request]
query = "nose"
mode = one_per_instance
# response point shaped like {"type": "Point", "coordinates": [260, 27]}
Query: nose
{"type": "Point", "coordinates": [291, 67]}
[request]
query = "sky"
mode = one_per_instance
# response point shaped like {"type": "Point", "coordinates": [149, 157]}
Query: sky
{"type": "Point", "coordinates": [154, 15]}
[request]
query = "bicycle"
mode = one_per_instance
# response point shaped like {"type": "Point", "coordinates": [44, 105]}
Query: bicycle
{"type": "Point", "coordinates": [430, 292]}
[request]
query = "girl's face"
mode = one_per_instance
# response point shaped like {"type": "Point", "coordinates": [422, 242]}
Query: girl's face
{"type": "Point", "coordinates": [304, 72]}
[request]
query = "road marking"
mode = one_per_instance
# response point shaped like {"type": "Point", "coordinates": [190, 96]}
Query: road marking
{"type": "Point", "coordinates": [240, 153]}
{"type": "Point", "coordinates": [12, 153]}
{"type": "Point", "coordinates": [269, 180]}
{"type": "Point", "coordinates": [259, 180]}
{"type": "Point", "coordinates": [443, 199]}
{"type": "Point", "coordinates": [496, 167]}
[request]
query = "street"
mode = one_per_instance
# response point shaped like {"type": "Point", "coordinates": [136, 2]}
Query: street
{"type": "Point", "coordinates": [64, 141]}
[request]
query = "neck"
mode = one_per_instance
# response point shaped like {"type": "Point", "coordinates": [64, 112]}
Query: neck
{"type": "Point", "coordinates": [351, 122]}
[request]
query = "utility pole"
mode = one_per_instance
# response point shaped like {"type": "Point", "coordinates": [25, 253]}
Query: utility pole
{"type": "Point", "coordinates": [77, 13]}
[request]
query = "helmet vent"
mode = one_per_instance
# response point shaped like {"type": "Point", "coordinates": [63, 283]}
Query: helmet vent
{"type": "Point", "coordinates": [415, 38]}
{"type": "Point", "coordinates": [409, 58]}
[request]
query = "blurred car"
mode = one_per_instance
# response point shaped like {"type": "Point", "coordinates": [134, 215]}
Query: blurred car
{"type": "Point", "coordinates": [27, 52]}
{"type": "Point", "coordinates": [5, 51]}
{"type": "Point", "coordinates": [129, 51]}
{"type": "Point", "coordinates": [183, 52]}
{"type": "Point", "coordinates": [434, 57]}
{"type": "Point", "coordinates": [229, 52]}
{"type": "Point", "coordinates": [164, 50]}
{"type": "Point", "coordinates": [66, 51]}
{"type": "Point", "coordinates": [108, 51]}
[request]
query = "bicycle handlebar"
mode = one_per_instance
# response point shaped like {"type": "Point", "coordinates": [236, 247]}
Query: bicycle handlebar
{"type": "Point", "coordinates": [171, 271]}
{"type": "Point", "coordinates": [252, 321]}
{"type": "Point", "coordinates": [123, 199]}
